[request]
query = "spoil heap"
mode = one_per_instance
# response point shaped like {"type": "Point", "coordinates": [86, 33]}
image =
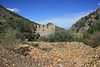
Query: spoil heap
{"type": "Point", "coordinates": [56, 54]}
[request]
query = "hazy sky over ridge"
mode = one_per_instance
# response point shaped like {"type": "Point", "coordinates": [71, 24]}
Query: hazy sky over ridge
{"type": "Point", "coordinates": [63, 13]}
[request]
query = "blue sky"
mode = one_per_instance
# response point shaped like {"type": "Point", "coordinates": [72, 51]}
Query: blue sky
{"type": "Point", "coordinates": [63, 13]}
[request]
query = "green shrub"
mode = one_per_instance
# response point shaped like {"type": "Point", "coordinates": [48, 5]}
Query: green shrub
{"type": "Point", "coordinates": [97, 17]}
{"type": "Point", "coordinates": [43, 38]}
{"type": "Point", "coordinates": [59, 36]}
{"type": "Point", "coordinates": [46, 49]}
{"type": "Point", "coordinates": [8, 38]}
{"type": "Point", "coordinates": [81, 40]}
{"type": "Point", "coordinates": [49, 38]}
{"type": "Point", "coordinates": [82, 37]}
{"type": "Point", "coordinates": [64, 36]}
{"type": "Point", "coordinates": [26, 30]}
{"type": "Point", "coordinates": [94, 40]}
{"type": "Point", "coordinates": [93, 28]}
{"type": "Point", "coordinates": [11, 18]}
{"type": "Point", "coordinates": [33, 44]}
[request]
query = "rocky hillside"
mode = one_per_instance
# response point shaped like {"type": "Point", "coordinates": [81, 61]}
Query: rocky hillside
{"type": "Point", "coordinates": [89, 23]}
{"type": "Point", "coordinates": [10, 22]}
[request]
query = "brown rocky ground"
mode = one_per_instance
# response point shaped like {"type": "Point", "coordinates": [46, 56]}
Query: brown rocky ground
{"type": "Point", "coordinates": [56, 54]}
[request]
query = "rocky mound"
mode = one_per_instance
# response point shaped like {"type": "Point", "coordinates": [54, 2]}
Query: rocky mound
{"type": "Point", "coordinates": [56, 54]}
{"type": "Point", "coordinates": [64, 54]}
{"type": "Point", "coordinates": [11, 59]}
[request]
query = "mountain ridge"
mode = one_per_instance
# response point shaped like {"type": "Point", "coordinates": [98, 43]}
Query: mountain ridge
{"type": "Point", "coordinates": [88, 23]}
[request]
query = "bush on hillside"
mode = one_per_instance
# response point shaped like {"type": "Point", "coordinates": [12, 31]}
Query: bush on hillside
{"type": "Point", "coordinates": [94, 27]}
{"type": "Point", "coordinates": [33, 44]}
{"type": "Point", "coordinates": [46, 49]}
{"type": "Point", "coordinates": [8, 38]}
{"type": "Point", "coordinates": [94, 40]}
{"type": "Point", "coordinates": [25, 30]}
{"type": "Point", "coordinates": [82, 37]}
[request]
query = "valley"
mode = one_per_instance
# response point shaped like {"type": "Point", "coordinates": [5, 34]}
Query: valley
{"type": "Point", "coordinates": [25, 43]}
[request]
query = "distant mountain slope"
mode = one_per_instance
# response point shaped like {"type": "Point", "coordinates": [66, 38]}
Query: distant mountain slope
{"type": "Point", "coordinates": [58, 28]}
{"type": "Point", "coordinates": [89, 23]}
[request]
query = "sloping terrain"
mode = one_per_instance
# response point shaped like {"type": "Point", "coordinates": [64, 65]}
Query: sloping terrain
{"type": "Point", "coordinates": [25, 29]}
{"type": "Point", "coordinates": [61, 54]}
{"type": "Point", "coordinates": [9, 15]}
{"type": "Point", "coordinates": [89, 23]}
{"type": "Point", "coordinates": [58, 28]}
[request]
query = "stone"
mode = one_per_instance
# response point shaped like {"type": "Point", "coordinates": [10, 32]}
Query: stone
{"type": "Point", "coordinates": [45, 30]}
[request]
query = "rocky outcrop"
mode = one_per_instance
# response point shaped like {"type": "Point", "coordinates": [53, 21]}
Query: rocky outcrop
{"type": "Point", "coordinates": [2, 22]}
{"type": "Point", "coordinates": [85, 23]}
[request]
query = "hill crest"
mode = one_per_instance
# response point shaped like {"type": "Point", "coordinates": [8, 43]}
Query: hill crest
{"type": "Point", "coordinates": [89, 23]}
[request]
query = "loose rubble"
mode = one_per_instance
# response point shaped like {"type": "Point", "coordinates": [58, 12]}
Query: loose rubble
{"type": "Point", "coordinates": [62, 54]}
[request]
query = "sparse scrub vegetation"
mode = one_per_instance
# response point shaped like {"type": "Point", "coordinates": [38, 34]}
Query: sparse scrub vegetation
{"type": "Point", "coordinates": [59, 36]}
{"type": "Point", "coordinates": [25, 30]}
{"type": "Point", "coordinates": [11, 18]}
{"type": "Point", "coordinates": [14, 27]}
{"type": "Point", "coordinates": [8, 38]}
{"type": "Point", "coordinates": [82, 37]}
{"type": "Point", "coordinates": [95, 27]}
{"type": "Point", "coordinates": [97, 17]}
{"type": "Point", "coordinates": [64, 36]}
{"type": "Point", "coordinates": [46, 49]}
{"type": "Point", "coordinates": [69, 36]}
{"type": "Point", "coordinates": [94, 40]}
{"type": "Point", "coordinates": [33, 44]}
{"type": "Point", "coordinates": [24, 27]}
